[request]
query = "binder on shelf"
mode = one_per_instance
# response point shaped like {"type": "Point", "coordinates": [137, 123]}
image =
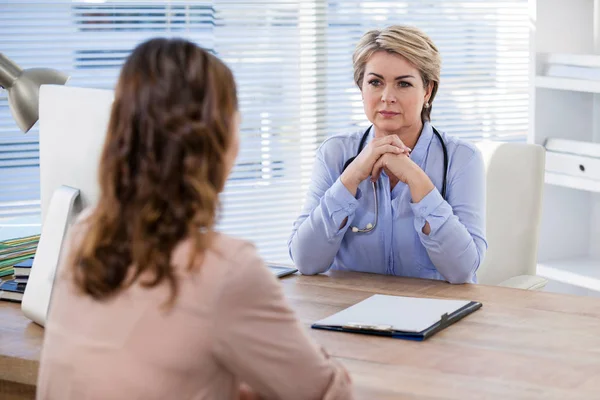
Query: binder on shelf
{"type": "Point", "coordinates": [574, 72]}
{"type": "Point", "coordinates": [577, 147]}
{"type": "Point", "coordinates": [578, 60]}
{"type": "Point", "coordinates": [577, 72]}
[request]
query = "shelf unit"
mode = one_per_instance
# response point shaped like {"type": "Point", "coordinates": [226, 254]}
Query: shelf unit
{"type": "Point", "coordinates": [576, 85]}
{"type": "Point", "coordinates": [572, 275]}
{"type": "Point", "coordinates": [572, 182]}
{"type": "Point", "coordinates": [569, 246]}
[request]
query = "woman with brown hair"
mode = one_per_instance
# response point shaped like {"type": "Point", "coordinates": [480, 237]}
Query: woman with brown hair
{"type": "Point", "coordinates": [150, 302]}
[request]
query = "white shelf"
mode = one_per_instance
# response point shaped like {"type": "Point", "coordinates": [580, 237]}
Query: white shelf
{"type": "Point", "coordinates": [583, 272]}
{"type": "Point", "coordinates": [573, 182]}
{"type": "Point", "coordinates": [576, 85]}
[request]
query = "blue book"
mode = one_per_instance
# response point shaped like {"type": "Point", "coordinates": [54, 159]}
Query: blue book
{"type": "Point", "coordinates": [12, 291]}
{"type": "Point", "coordinates": [22, 268]}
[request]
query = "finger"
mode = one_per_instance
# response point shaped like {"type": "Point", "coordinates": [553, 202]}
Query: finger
{"type": "Point", "coordinates": [391, 139]}
{"type": "Point", "coordinates": [387, 139]}
{"type": "Point", "coordinates": [377, 168]}
{"type": "Point", "coordinates": [387, 148]}
{"type": "Point", "coordinates": [396, 141]}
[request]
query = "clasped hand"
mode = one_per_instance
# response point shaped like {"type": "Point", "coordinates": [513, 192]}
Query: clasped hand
{"type": "Point", "coordinates": [387, 153]}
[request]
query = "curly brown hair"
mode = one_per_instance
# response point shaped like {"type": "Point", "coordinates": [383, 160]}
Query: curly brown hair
{"type": "Point", "coordinates": [162, 167]}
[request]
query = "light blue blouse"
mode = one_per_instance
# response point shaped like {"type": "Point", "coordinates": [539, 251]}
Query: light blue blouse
{"type": "Point", "coordinates": [452, 251]}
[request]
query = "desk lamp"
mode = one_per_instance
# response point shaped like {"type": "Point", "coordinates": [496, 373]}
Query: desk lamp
{"type": "Point", "coordinates": [23, 87]}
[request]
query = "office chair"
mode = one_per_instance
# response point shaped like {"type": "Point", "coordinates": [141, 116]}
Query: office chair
{"type": "Point", "coordinates": [514, 189]}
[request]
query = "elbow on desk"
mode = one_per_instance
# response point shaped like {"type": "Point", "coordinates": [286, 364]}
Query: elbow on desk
{"type": "Point", "coordinates": [306, 267]}
{"type": "Point", "coordinates": [306, 264]}
{"type": "Point", "coordinates": [463, 275]}
{"type": "Point", "coordinates": [459, 279]}
{"type": "Point", "coordinates": [463, 268]}
{"type": "Point", "coordinates": [307, 271]}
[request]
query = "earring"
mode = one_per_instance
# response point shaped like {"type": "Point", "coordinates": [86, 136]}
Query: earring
{"type": "Point", "coordinates": [426, 105]}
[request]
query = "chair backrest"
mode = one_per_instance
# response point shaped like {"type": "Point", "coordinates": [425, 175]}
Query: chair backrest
{"type": "Point", "coordinates": [515, 184]}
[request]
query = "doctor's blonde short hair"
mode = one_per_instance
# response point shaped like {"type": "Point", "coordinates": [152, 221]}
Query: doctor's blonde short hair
{"type": "Point", "coordinates": [408, 42]}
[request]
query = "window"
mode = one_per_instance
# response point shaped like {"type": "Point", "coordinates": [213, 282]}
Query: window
{"type": "Point", "coordinates": [292, 62]}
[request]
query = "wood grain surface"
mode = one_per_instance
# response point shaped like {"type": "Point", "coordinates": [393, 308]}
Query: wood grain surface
{"type": "Point", "coordinates": [519, 345]}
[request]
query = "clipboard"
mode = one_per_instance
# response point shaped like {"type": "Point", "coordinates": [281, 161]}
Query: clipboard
{"type": "Point", "coordinates": [399, 317]}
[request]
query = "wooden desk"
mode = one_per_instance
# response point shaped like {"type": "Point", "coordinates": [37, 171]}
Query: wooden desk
{"type": "Point", "coordinates": [20, 345]}
{"type": "Point", "coordinates": [520, 345]}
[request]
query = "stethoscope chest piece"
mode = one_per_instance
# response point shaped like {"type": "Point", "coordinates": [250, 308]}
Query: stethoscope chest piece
{"type": "Point", "coordinates": [370, 226]}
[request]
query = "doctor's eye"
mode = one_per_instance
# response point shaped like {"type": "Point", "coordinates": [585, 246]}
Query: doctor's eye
{"type": "Point", "coordinates": [404, 84]}
{"type": "Point", "coordinates": [375, 82]}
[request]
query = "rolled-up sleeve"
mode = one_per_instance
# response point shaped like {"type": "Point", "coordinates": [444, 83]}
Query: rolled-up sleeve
{"type": "Point", "coordinates": [456, 243]}
{"type": "Point", "coordinates": [431, 209]}
{"type": "Point", "coordinates": [340, 204]}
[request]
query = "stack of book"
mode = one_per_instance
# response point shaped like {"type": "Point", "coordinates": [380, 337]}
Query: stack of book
{"type": "Point", "coordinates": [12, 291]}
{"type": "Point", "coordinates": [16, 259]}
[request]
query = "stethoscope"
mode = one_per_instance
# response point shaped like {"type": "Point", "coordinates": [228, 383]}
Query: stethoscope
{"type": "Point", "coordinates": [365, 135]}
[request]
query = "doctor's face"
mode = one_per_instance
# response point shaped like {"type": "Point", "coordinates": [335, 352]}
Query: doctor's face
{"type": "Point", "coordinates": [393, 93]}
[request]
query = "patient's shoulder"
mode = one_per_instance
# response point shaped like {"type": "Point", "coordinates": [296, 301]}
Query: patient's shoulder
{"type": "Point", "coordinates": [231, 249]}
{"type": "Point", "coordinates": [239, 259]}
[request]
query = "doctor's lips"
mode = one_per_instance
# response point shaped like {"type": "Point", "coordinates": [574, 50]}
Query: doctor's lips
{"type": "Point", "coordinates": [388, 114]}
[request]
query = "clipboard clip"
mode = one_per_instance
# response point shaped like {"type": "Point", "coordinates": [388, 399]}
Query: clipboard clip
{"type": "Point", "coordinates": [363, 327]}
{"type": "Point", "coordinates": [444, 319]}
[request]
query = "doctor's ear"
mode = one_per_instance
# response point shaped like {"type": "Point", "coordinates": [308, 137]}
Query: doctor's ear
{"type": "Point", "coordinates": [428, 91]}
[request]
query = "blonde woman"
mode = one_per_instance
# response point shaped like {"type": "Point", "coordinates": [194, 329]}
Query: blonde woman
{"type": "Point", "coordinates": [400, 198]}
{"type": "Point", "coordinates": [150, 302]}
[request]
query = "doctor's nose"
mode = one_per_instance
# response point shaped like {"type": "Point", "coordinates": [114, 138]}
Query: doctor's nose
{"type": "Point", "coordinates": [388, 96]}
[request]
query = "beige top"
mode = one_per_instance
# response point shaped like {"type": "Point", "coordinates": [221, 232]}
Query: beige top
{"type": "Point", "coordinates": [230, 324]}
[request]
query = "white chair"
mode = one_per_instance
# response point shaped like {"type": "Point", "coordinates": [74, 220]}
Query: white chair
{"type": "Point", "coordinates": [515, 183]}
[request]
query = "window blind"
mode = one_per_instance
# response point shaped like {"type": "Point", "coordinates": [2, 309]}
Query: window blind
{"type": "Point", "coordinates": [292, 62]}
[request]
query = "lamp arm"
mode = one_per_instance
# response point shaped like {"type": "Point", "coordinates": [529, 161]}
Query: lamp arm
{"type": "Point", "coordinates": [9, 72]}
